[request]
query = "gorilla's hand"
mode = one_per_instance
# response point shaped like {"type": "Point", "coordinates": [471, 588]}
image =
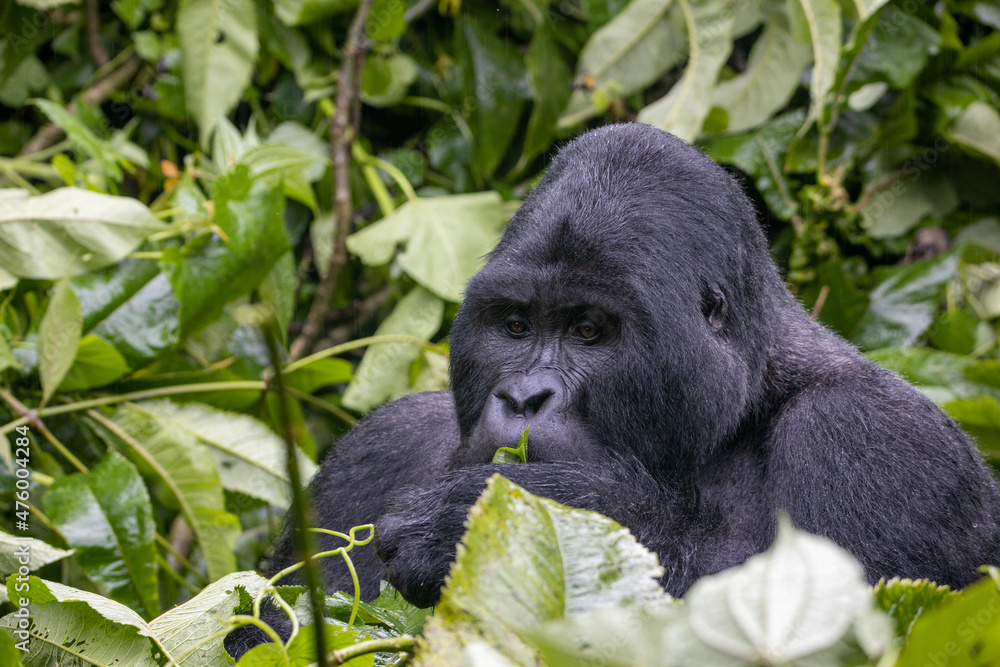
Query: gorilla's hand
{"type": "Point", "coordinates": [416, 539]}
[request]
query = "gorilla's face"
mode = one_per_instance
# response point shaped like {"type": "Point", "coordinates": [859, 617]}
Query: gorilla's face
{"type": "Point", "coordinates": [611, 318]}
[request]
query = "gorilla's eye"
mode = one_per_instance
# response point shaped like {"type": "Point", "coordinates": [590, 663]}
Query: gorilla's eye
{"type": "Point", "coordinates": [588, 331]}
{"type": "Point", "coordinates": [516, 327]}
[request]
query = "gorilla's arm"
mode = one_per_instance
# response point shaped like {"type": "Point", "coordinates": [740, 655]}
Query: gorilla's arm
{"type": "Point", "coordinates": [871, 463]}
{"type": "Point", "coordinates": [417, 538]}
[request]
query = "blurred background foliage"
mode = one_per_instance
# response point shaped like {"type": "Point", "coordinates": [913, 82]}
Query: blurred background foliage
{"type": "Point", "coordinates": [171, 170]}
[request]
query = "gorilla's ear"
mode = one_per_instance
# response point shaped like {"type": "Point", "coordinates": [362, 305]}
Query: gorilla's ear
{"type": "Point", "coordinates": [714, 306]}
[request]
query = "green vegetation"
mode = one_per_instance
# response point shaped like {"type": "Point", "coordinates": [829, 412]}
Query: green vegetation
{"type": "Point", "coordinates": [228, 226]}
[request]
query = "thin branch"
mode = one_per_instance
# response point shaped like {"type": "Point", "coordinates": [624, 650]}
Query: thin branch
{"type": "Point", "coordinates": [97, 52]}
{"type": "Point", "coordinates": [343, 133]}
{"type": "Point", "coordinates": [50, 133]}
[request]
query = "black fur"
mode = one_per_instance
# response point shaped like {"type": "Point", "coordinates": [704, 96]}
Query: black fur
{"type": "Point", "coordinates": [708, 402]}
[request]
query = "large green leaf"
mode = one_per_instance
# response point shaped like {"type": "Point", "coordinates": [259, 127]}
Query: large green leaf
{"type": "Point", "coordinates": [683, 110]}
{"type": "Point", "coordinates": [249, 456]}
{"type": "Point", "coordinates": [551, 562]}
{"type": "Point", "coordinates": [72, 628]}
{"type": "Point", "coordinates": [627, 54]}
{"type": "Point", "coordinates": [382, 374]}
{"type": "Point", "coordinates": [497, 76]}
{"type": "Point", "coordinates": [13, 549]}
{"type": "Point", "coordinates": [188, 475]}
{"type": "Point", "coordinates": [107, 517]}
{"type": "Point", "coordinates": [819, 21]}
{"type": "Point", "coordinates": [58, 337]}
{"type": "Point", "coordinates": [446, 239]}
{"type": "Point", "coordinates": [550, 85]}
{"type": "Point", "coordinates": [208, 273]}
{"type": "Point", "coordinates": [218, 40]}
{"type": "Point", "coordinates": [773, 72]}
{"type": "Point", "coordinates": [132, 307]}
{"type": "Point", "coordinates": [69, 230]}
{"type": "Point", "coordinates": [903, 307]}
{"type": "Point", "coordinates": [205, 616]}
{"type": "Point", "coordinates": [978, 128]}
{"type": "Point", "coordinates": [96, 364]}
{"type": "Point", "coordinates": [967, 626]}
{"type": "Point", "coordinates": [10, 655]}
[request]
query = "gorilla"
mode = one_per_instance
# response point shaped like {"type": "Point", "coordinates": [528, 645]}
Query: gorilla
{"type": "Point", "coordinates": [631, 314]}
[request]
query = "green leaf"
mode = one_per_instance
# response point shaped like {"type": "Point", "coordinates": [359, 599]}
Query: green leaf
{"type": "Point", "coordinates": [382, 373]}
{"type": "Point", "coordinates": [941, 375]}
{"type": "Point", "coordinates": [107, 517]}
{"type": "Point", "coordinates": [131, 306]}
{"type": "Point", "coordinates": [10, 655]}
{"type": "Point", "coordinates": [866, 8]}
{"type": "Point", "coordinates": [551, 562]}
{"type": "Point", "coordinates": [96, 364]}
{"type": "Point", "coordinates": [83, 139]}
{"type": "Point", "coordinates": [820, 20]}
{"type": "Point", "coordinates": [275, 163]}
{"type": "Point", "coordinates": [896, 51]}
{"type": "Point", "coordinates": [302, 649]}
{"type": "Point", "coordinates": [318, 374]}
{"type": "Point", "coordinates": [218, 40]}
{"type": "Point", "coordinates": [58, 337]}
{"type": "Point", "coordinates": [954, 331]}
{"type": "Point", "coordinates": [69, 229]}
{"type": "Point", "coordinates": [301, 12]}
{"type": "Point", "coordinates": [250, 457]}
{"type": "Point", "coordinates": [683, 110]}
{"type": "Point", "coordinates": [74, 627]}
{"type": "Point", "coordinates": [387, 20]}
{"type": "Point", "coordinates": [207, 274]}
{"type": "Point", "coordinates": [277, 289]}
{"type": "Point", "coordinates": [517, 454]}
{"type": "Point", "coordinates": [496, 74]}
{"type": "Point", "coordinates": [902, 307]}
{"type": "Point", "coordinates": [772, 74]}
{"type": "Point", "coordinates": [978, 129]}
{"type": "Point", "coordinates": [966, 626]}
{"type": "Point", "coordinates": [13, 548]}
{"type": "Point", "coordinates": [206, 616]}
{"type": "Point", "coordinates": [446, 239]}
{"type": "Point", "coordinates": [906, 599]}
{"type": "Point", "coordinates": [798, 599]}
{"type": "Point", "coordinates": [980, 418]}
{"type": "Point", "coordinates": [550, 85]}
{"type": "Point", "coordinates": [626, 55]}
{"type": "Point", "coordinates": [188, 474]}
{"type": "Point", "coordinates": [385, 79]}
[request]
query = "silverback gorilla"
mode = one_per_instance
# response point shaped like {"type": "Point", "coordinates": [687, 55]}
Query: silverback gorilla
{"type": "Point", "coordinates": [631, 314]}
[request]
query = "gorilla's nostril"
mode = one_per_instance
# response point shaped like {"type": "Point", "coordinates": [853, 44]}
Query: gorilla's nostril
{"type": "Point", "coordinates": [534, 403]}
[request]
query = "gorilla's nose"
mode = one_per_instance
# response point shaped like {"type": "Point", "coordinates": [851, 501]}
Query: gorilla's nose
{"type": "Point", "coordinates": [526, 395]}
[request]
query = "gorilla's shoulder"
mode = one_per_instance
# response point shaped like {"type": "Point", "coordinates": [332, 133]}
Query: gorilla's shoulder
{"type": "Point", "coordinates": [412, 410]}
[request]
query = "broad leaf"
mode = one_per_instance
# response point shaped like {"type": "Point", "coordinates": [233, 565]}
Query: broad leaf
{"type": "Point", "coordinates": [107, 517]}
{"type": "Point", "coordinates": [903, 306]}
{"type": "Point", "coordinates": [188, 474]}
{"type": "Point", "coordinates": [218, 40]}
{"type": "Point", "coordinates": [550, 85]}
{"type": "Point", "coordinates": [249, 456]}
{"type": "Point", "coordinates": [58, 337]}
{"type": "Point", "coordinates": [131, 306]}
{"type": "Point", "coordinates": [382, 373]}
{"type": "Point", "coordinates": [683, 110]}
{"type": "Point", "coordinates": [446, 239]}
{"type": "Point", "coordinates": [74, 627]}
{"type": "Point", "coordinates": [209, 273]}
{"type": "Point", "coordinates": [772, 74]}
{"type": "Point", "coordinates": [820, 21]}
{"type": "Point", "coordinates": [551, 562]}
{"type": "Point", "coordinates": [626, 55]}
{"type": "Point", "coordinates": [799, 598]}
{"type": "Point", "coordinates": [300, 12]}
{"type": "Point", "coordinates": [202, 617]}
{"type": "Point", "coordinates": [978, 128]}
{"type": "Point", "coordinates": [96, 364]}
{"type": "Point", "coordinates": [69, 230]}
{"type": "Point", "coordinates": [10, 655]}
{"type": "Point", "coordinates": [13, 548]}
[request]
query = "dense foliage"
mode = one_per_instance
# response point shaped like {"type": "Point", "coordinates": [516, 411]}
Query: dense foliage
{"type": "Point", "coordinates": [194, 194]}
